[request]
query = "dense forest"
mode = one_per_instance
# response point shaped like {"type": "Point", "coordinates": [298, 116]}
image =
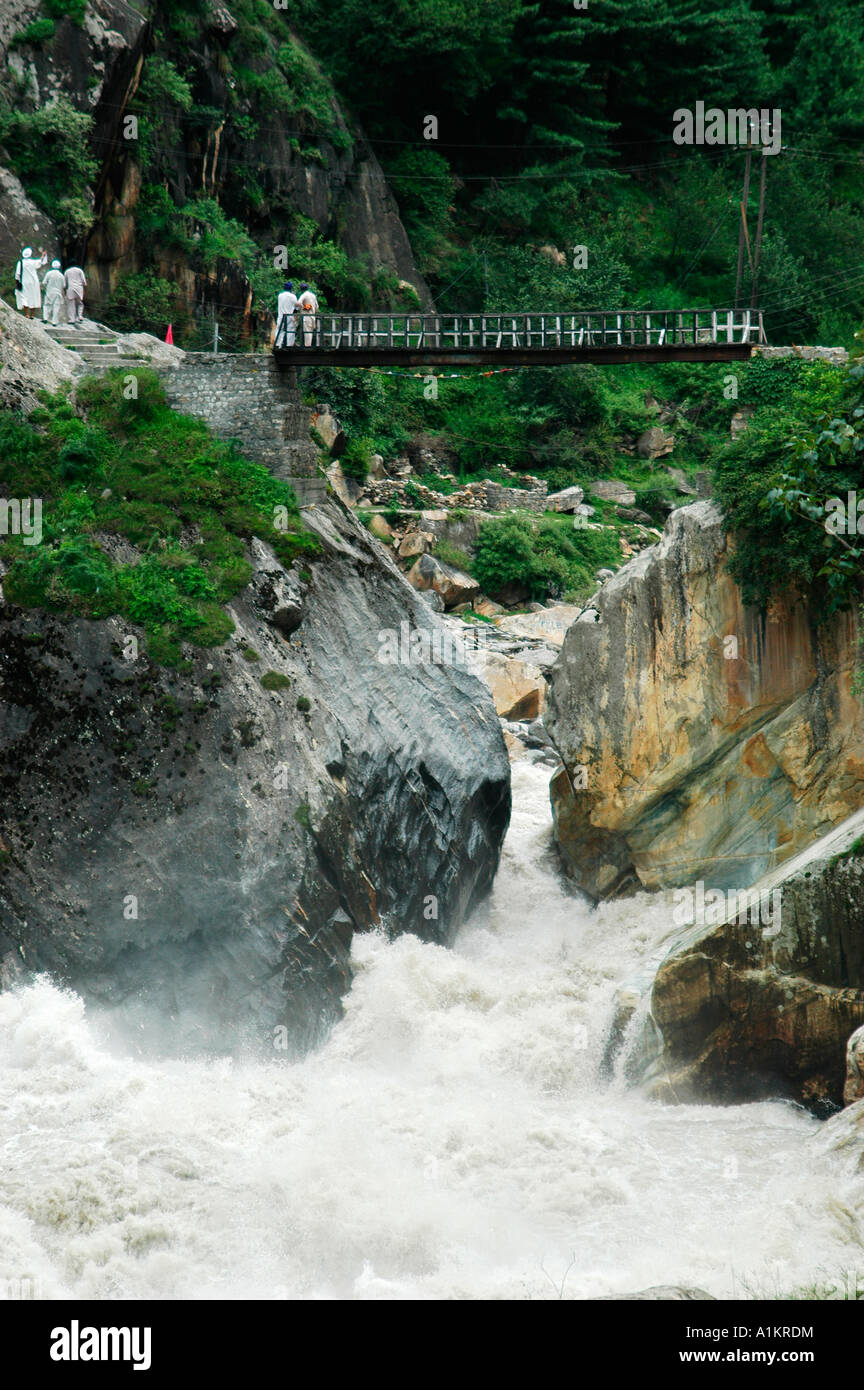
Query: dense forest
{"type": "Point", "coordinates": [511, 134]}
{"type": "Point", "coordinates": [552, 129]}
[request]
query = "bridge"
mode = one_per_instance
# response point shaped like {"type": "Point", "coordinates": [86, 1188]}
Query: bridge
{"type": "Point", "coordinates": [536, 340]}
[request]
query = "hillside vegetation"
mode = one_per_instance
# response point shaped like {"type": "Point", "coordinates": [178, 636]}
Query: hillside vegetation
{"type": "Point", "coordinates": [145, 513]}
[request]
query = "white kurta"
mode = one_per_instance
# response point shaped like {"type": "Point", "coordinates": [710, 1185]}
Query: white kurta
{"type": "Point", "coordinates": [75, 282]}
{"type": "Point", "coordinates": [285, 321]}
{"type": "Point", "coordinates": [54, 284]}
{"type": "Point", "coordinates": [30, 294]}
{"type": "Point", "coordinates": [309, 302]}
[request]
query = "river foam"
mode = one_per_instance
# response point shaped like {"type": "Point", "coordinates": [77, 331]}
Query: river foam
{"type": "Point", "coordinates": [450, 1140]}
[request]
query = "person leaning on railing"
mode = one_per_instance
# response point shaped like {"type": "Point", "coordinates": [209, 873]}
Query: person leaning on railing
{"type": "Point", "coordinates": [286, 316]}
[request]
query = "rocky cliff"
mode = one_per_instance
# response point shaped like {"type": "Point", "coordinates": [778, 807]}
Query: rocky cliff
{"type": "Point", "coordinates": [201, 846]}
{"type": "Point", "coordinates": [232, 136]}
{"type": "Point", "coordinates": [764, 1002]}
{"type": "Point", "coordinates": [702, 740]}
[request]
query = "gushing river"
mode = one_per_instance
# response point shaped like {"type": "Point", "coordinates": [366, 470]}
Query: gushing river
{"type": "Point", "coordinates": [450, 1140]}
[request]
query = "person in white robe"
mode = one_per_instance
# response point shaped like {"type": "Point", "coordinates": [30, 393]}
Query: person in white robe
{"type": "Point", "coordinates": [76, 283]}
{"type": "Point", "coordinates": [286, 322]}
{"type": "Point", "coordinates": [29, 296]}
{"type": "Point", "coordinates": [54, 286]}
{"type": "Point", "coordinates": [309, 308]}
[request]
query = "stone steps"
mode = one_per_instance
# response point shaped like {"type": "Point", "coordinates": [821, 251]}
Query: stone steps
{"type": "Point", "coordinates": [98, 348]}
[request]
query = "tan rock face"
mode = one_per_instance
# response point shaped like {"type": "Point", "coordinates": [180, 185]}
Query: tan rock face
{"type": "Point", "coordinates": [325, 422]}
{"type": "Point", "coordinates": [550, 624]}
{"type": "Point", "coordinates": [416, 543]}
{"type": "Point", "coordinates": [655, 443]}
{"type": "Point", "coordinates": [854, 1088]}
{"type": "Point", "coordinates": [612, 490]}
{"type": "Point", "coordinates": [518, 688]}
{"type": "Point", "coordinates": [453, 586]}
{"type": "Point", "coordinates": [346, 489]}
{"type": "Point", "coordinates": [718, 741]}
{"type": "Point", "coordinates": [379, 527]}
{"type": "Point", "coordinates": [488, 608]}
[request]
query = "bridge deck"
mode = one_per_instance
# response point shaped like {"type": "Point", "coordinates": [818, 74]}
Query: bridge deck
{"type": "Point", "coordinates": [623, 335]}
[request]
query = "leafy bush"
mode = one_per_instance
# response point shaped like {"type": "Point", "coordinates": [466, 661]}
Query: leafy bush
{"type": "Point", "coordinates": [356, 459]}
{"type": "Point", "coordinates": [83, 455]}
{"type": "Point", "coordinates": [49, 151]}
{"type": "Point", "coordinates": [142, 303]}
{"type": "Point", "coordinates": [452, 555]}
{"type": "Point", "coordinates": [548, 556]}
{"type": "Point", "coordinates": [504, 555]}
{"type": "Point", "coordinates": [774, 481]}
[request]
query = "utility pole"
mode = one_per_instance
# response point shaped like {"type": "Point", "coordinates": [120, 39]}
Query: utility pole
{"type": "Point", "coordinates": [485, 282]}
{"type": "Point", "coordinates": [743, 237]}
{"type": "Point", "coordinates": [758, 245]}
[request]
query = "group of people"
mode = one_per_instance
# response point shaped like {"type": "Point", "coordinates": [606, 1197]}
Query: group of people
{"type": "Point", "coordinates": [293, 310]}
{"type": "Point", "coordinates": [57, 285]}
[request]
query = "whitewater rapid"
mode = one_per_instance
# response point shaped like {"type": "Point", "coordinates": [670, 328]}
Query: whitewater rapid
{"type": "Point", "coordinates": [450, 1140]}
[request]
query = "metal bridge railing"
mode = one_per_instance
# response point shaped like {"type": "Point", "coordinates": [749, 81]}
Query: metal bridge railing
{"type": "Point", "coordinates": [467, 332]}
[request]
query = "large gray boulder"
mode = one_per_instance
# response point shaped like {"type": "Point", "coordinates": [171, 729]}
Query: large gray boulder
{"type": "Point", "coordinates": [195, 847]}
{"type": "Point", "coordinates": [568, 500]}
{"type": "Point", "coordinates": [30, 361]}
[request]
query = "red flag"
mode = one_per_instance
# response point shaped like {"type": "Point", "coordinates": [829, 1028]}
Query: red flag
{"type": "Point", "coordinates": [169, 336]}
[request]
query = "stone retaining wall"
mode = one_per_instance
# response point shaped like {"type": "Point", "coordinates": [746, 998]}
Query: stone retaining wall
{"type": "Point", "coordinates": [244, 396]}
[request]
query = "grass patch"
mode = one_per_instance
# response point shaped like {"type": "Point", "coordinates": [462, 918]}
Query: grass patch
{"type": "Point", "coordinates": [274, 680]}
{"type": "Point", "coordinates": [188, 502]}
{"type": "Point", "coordinates": [855, 851]}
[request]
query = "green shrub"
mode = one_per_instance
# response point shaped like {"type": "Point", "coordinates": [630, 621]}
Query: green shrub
{"type": "Point", "coordinates": [142, 303]}
{"type": "Point", "coordinates": [83, 456]}
{"type": "Point", "coordinates": [49, 151]}
{"type": "Point", "coordinates": [66, 9]}
{"type": "Point", "coordinates": [773, 482]}
{"type": "Point", "coordinates": [274, 680]}
{"type": "Point", "coordinates": [452, 555]}
{"type": "Point", "coordinates": [39, 31]}
{"type": "Point", "coordinates": [356, 459]}
{"type": "Point", "coordinates": [303, 704]}
{"type": "Point", "coordinates": [549, 557]}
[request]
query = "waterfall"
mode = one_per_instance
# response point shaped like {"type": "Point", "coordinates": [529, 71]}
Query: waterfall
{"type": "Point", "coordinates": [453, 1138]}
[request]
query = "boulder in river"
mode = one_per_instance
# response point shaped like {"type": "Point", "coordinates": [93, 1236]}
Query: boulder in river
{"type": "Point", "coordinates": [763, 1003]}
